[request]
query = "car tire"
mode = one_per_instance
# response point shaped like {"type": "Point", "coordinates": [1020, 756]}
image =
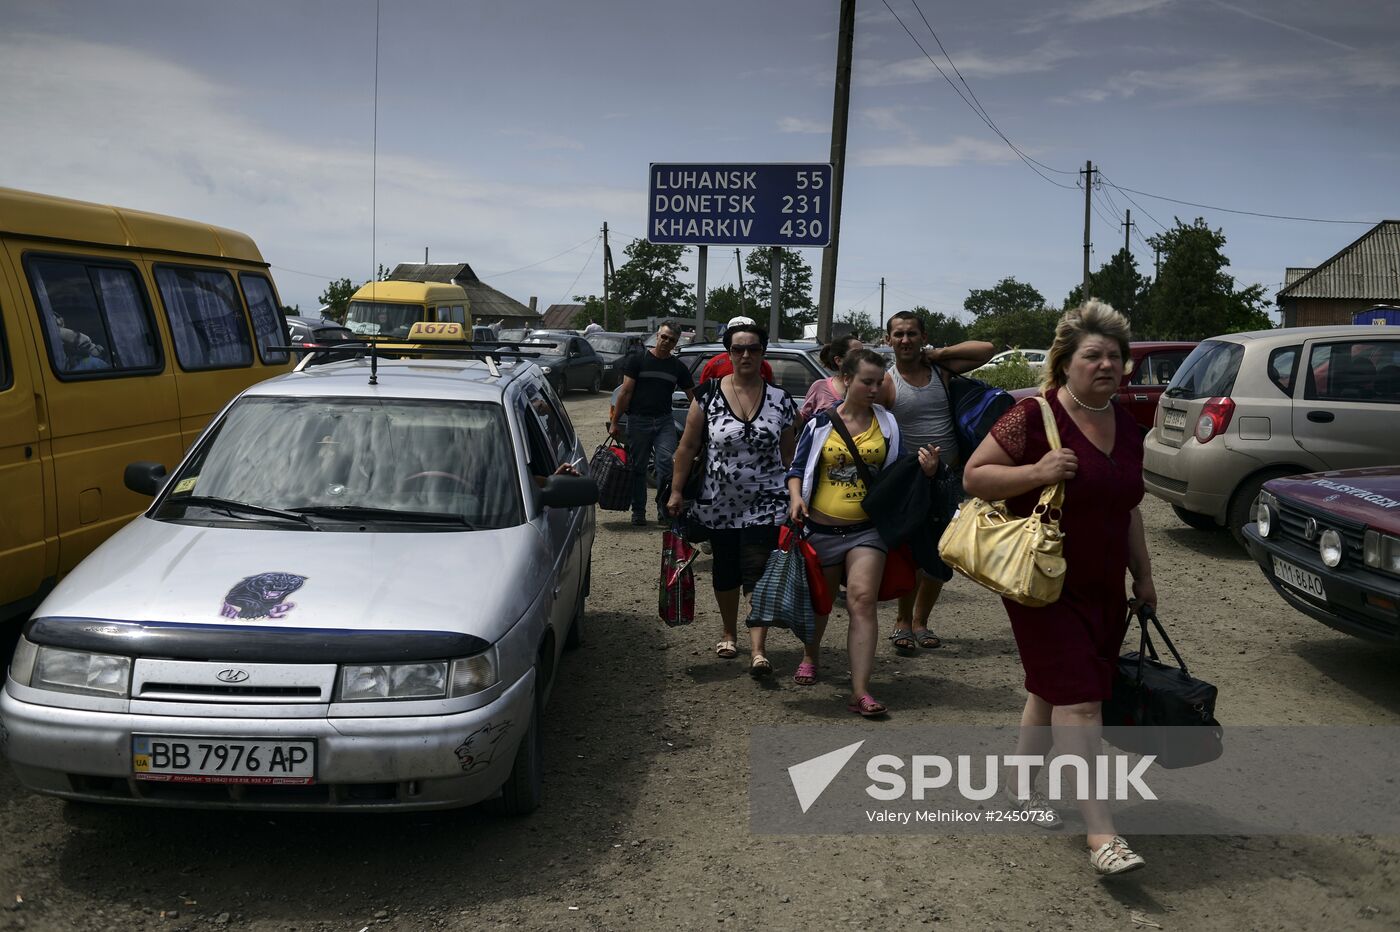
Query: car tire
{"type": "Point", "coordinates": [596, 385]}
{"type": "Point", "coordinates": [1241, 510]}
{"type": "Point", "coordinates": [1195, 519]}
{"type": "Point", "coordinates": [523, 790]}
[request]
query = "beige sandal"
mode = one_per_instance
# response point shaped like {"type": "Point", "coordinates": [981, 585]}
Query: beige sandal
{"type": "Point", "coordinates": [1115, 857]}
{"type": "Point", "coordinates": [727, 650]}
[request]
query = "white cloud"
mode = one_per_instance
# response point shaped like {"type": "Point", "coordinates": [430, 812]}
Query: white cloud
{"type": "Point", "coordinates": [789, 124]}
{"type": "Point", "coordinates": [110, 124]}
{"type": "Point", "coordinates": [971, 63]}
{"type": "Point", "coordinates": [930, 155]}
{"type": "Point", "coordinates": [535, 139]}
{"type": "Point", "coordinates": [887, 119]}
{"type": "Point", "coordinates": [1096, 10]}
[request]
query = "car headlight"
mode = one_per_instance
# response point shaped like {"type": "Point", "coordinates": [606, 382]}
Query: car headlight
{"type": "Point", "coordinates": [1379, 551]}
{"type": "Point", "coordinates": [1329, 547]}
{"type": "Point", "coordinates": [438, 679]}
{"type": "Point", "coordinates": [1265, 513]}
{"type": "Point", "coordinates": [74, 671]}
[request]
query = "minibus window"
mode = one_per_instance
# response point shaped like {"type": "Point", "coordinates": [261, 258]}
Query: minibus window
{"type": "Point", "coordinates": [205, 317]}
{"type": "Point", "coordinates": [95, 316]}
{"type": "Point", "coordinates": [268, 323]}
{"type": "Point", "coordinates": [456, 313]}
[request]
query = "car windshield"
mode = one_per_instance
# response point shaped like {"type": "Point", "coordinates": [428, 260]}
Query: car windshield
{"type": "Point", "coordinates": [375, 318]}
{"type": "Point", "coordinates": [1208, 372]}
{"type": "Point", "coordinates": [328, 456]}
{"type": "Point", "coordinates": [334, 335]}
{"type": "Point", "coordinates": [608, 344]}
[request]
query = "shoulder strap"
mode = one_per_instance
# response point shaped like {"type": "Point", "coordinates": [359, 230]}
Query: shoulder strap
{"type": "Point", "coordinates": [839, 426]}
{"type": "Point", "coordinates": [1054, 495]}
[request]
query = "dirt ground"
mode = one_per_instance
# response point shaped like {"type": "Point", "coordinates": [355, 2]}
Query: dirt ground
{"type": "Point", "coordinates": [645, 823]}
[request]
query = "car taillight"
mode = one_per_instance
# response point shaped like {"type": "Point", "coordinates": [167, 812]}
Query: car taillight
{"type": "Point", "coordinates": [1215, 417]}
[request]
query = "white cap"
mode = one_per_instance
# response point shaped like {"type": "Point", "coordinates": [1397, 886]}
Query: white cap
{"type": "Point", "coordinates": [740, 321]}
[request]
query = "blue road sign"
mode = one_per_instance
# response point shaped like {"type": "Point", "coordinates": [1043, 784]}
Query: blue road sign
{"type": "Point", "coordinates": [736, 204]}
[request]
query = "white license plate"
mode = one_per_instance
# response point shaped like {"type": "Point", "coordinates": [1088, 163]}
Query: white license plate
{"type": "Point", "coordinates": [181, 759]}
{"type": "Point", "coordinates": [1299, 578]}
{"type": "Point", "coordinates": [1174, 418]}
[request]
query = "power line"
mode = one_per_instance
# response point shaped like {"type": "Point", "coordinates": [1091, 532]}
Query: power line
{"type": "Point", "coordinates": [299, 272]}
{"type": "Point", "coordinates": [569, 292]}
{"type": "Point", "coordinates": [982, 116]}
{"type": "Point", "coordinates": [578, 245]}
{"type": "Point", "coordinates": [1231, 210]}
{"type": "Point", "coordinates": [1146, 213]}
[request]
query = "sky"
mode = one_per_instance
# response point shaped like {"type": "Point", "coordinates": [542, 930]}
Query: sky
{"type": "Point", "coordinates": [505, 134]}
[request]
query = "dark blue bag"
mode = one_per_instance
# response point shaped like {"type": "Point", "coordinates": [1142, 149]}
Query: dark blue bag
{"type": "Point", "coordinates": [976, 406]}
{"type": "Point", "coordinates": [782, 599]}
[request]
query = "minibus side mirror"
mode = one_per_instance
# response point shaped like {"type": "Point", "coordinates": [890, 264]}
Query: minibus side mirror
{"type": "Point", "coordinates": [144, 477]}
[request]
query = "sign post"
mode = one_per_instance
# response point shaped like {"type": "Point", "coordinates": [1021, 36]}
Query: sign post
{"type": "Point", "coordinates": [783, 204]}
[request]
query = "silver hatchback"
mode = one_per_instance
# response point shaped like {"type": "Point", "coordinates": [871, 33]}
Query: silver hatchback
{"type": "Point", "coordinates": [1245, 408]}
{"type": "Point", "coordinates": [352, 594]}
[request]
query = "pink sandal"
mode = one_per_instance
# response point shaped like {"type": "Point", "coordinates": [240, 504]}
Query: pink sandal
{"type": "Point", "coordinates": [867, 706]}
{"type": "Point", "coordinates": [805, 674]}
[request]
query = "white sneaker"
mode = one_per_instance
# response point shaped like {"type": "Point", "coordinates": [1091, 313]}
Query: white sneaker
{"type": "Point", "coordinates": [1115, 858]}
{"type": "Point", "coordinates": [1038, 809]}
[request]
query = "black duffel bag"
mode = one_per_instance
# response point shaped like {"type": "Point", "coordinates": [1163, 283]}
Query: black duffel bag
{"type": "Point", "coordinates": [608, 467]}
{"type": "Point", "coordinates": [1160, 709]}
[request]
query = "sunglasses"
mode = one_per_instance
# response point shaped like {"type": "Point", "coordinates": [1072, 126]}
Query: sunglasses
{"type": "Point", "coordinates": [744, 349]}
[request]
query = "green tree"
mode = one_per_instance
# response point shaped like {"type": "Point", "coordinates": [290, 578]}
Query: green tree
{"type": "Point", "coordinates": [863, 326]}
{"type": "Point", "coordinates": [724, 303]}
{"type": "Point", "coordinates": [1007, 295]}
{"type": "Point", "coordinates": [592, 313]}
{"type": "Point", "coordinates": [648, 283]}
{"type": "Point", "coordinates": [1193, 297]}
{"type": "Point", "coordinates": [794, 295]}
{"type": "Point", "coordinates": [292, 311]}
{"type": "Point", "coordinates": [1029, 328]}
{"type": "Point", "coordinates": [336, 299]}
{"type": "Point", "coordinates": [1119, 283]}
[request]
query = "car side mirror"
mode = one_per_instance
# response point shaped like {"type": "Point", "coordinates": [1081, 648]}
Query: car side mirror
{"type": "Point", "coordinates": [569, 492]}
{"type": "Point", "coordinates": [144, 477]}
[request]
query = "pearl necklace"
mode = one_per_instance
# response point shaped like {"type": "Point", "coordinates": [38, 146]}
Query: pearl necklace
{"type": "Point", "coordinates": [1102, 407]}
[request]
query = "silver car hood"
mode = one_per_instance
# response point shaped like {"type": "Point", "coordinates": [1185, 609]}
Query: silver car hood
{"type": "Point", "coordinates": [470, 582]}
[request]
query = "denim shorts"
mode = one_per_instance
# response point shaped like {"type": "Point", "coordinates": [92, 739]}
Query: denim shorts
{"type": "Point", "coordinates": [833, 541]}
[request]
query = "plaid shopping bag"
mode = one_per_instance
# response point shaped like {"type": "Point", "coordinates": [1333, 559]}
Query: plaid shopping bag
{"type": "Point", "coordinates": [782, 598]}
{"type": "Point", "coordinates": [608, 467]}
{"type": "Point", "coordinates": [822, 596]}
{"type": "Point", "coordinates": [676, 599]}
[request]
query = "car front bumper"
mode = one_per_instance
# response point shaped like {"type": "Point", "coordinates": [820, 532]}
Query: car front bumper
{"type": "Point", "coordinates": [1345, 607]}
{"type": "Point", "coordinates": [389, 762]}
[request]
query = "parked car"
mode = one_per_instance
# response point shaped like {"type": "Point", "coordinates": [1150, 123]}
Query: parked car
{"type": "Point", "coordinates": [1154, 364]}
{"type": "Point", "coordinates": [1035, 358]}
{"type": "Point", "coordinates": [612, 349]}
{"type": "Point", "coordinates": [1329, 543]}
{"type": "Point", "coordinates": [317, 330]}
{"type": "Point", "coordinates": [352, 594]}
{"type": "Point", "coordinates": [568, 361]}
{"type": "Point", "coordinates": [795, 367]}
{"type": "Point", "coordinates": [1245, 408]}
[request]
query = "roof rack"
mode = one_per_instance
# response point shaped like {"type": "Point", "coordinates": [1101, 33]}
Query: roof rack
{"type": "Point", "coordinates": [486, 350]}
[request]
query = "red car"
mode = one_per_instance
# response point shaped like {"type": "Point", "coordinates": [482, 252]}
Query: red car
{"type": "Point", "coordinates": [1329, 542]}
{"type": "Point", "coordinates": [1154, 364]}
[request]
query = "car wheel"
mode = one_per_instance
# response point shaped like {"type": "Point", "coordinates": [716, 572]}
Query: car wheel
{"type": "Point", "coordinates": [1241, 510]}
{"type": "Point", "coordinates": [596, 385]}
{"type": "Point", "coordinates": [524, 788]}
{"type": "Point", "coordinates": [1195, 519]}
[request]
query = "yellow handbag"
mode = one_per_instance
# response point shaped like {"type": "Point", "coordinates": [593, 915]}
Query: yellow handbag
{"type": "Point", "coordinates": [1020, 558]}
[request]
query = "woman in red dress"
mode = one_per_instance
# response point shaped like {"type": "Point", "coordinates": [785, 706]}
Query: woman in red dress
{"type": "Point", "coordinates": [1070, 648]}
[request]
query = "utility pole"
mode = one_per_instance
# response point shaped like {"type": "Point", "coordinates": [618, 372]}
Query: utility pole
{"type": "Point", "coordinates": [425, 255]}
{"type": "Point", "coordinates": [700, 293]}
{"type": "Point", "coordinates": [1156, 263]}
{"type": "Point", "coordinates": [882, 302]}
{"type": "Point", "coordinates": [839, 112]}
{"type": "Point", "coordinates": [1127, 266]}
{"type": "Point", "coordinates": [607, 264]}
{"type": "Point", "coordinates": [740, 266]}
{"type": "Point", "coordinates": [1088, 174]}
{"type": "Point", "coordinates": [775, 313]}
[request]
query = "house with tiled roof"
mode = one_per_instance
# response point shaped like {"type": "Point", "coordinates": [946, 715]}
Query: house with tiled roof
{"type": "Point", "coordinates": [488, 306]}
{"type": "Point", "coordinates": [560, 316]}
{"type": "Point", "coordinates": [1362, 275]}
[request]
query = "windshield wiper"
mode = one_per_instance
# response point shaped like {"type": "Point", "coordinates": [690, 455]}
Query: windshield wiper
{"type": "Point", "coordinates": [1176, 391]}
{"type": "Point", "coordinates": [366, 512]}
{"type": "Point", "coordinates": [230, 506]}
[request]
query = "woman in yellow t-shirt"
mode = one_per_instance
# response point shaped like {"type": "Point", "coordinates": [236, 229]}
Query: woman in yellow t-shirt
{"type": "Point", "coordinates": [825, 489]}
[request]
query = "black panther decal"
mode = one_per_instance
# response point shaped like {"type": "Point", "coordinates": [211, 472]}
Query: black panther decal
{"type": "Point", "coordinates": [261, 596]}
{"type": "Point", "coordinates": [472, 758]}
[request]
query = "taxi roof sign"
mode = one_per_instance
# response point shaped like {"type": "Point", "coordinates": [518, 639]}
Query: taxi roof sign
{"type": "Point", "coordinates": [446, 331]}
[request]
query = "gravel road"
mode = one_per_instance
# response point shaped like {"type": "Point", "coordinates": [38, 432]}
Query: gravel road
{"type": "Point", "coordinates": [645, 819]}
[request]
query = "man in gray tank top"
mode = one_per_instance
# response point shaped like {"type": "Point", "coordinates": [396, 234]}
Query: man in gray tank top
{"type": "Point", "coordinates": [916, 391]}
